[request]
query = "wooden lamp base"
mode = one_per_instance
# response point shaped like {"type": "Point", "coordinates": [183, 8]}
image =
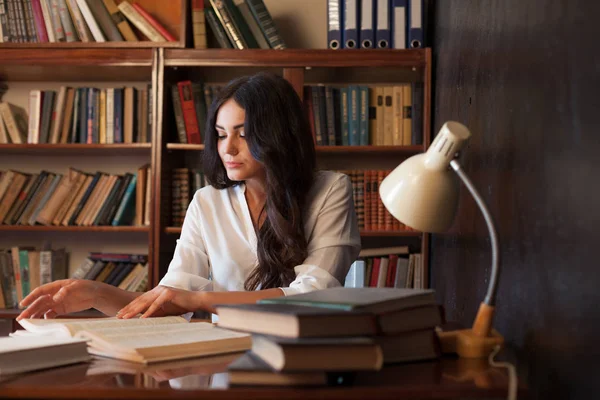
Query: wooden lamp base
{"type": "Point", "coordinates": [477, 342]}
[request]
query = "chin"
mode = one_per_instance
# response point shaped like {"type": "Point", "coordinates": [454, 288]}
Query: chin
{"type": "Point", "coordinates": [236, 176]}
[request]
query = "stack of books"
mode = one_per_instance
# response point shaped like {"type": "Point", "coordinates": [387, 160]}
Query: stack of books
{"type": "Point", "coordinates": [315, 338]}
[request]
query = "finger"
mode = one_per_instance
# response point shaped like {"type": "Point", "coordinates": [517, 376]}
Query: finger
{"type": "Point", "coordinates": [43, 303]}
{"type": "Point", "coordinates": [138, 305]}
{"type": "Point", "coordinates": [50, 315]}
{"type": "Point", "coordinates": [49, 288]}
{"type": "Point", "coordinates": [156, 305]}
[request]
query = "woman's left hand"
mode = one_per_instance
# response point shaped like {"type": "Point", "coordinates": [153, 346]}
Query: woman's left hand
{"type": "Point", "coordinates": [161, 301]}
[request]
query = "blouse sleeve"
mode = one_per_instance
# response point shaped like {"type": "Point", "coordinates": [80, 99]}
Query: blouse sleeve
{"type": "Point", "coordinates": [189, 267]}
{"type": "Point", "coordinates": [333, 244]}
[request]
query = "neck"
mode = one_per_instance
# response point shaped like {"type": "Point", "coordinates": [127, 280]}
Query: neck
{"type": "Point", "coordinates": [256, 190]}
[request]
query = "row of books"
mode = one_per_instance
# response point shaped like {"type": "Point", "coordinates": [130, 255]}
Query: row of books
{"type": "Point", "coordinates": [184, 183]}
{"type": "Point", "coordinates": [75, 198]}
{"type": "Point", "coordinates": [236, 24]}
{"type": "Point", "coordinates": [392, 267]}
{"type": "Point", "coordinates": [125, 271]}
{"type": "Point", "coordinates": [80, 115]}
{"type": "Point", "coordinates": [304, 339]}
{"type": "Point", "coordinates": [191, 100]}
{"type": "Point", "coordinates": [371, 24]}
{"type": "Point", "coordinates": [41, 21]}
{"type": "Point", "coordinates": [360, 115]}
{"type": "Point", "coordinates": [370, 211]}
{"type": "Point", "coordinates": [22, 269]}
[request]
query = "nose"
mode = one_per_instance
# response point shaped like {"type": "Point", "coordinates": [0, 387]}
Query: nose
{"type": "Point", "coordinates": [231, 145]}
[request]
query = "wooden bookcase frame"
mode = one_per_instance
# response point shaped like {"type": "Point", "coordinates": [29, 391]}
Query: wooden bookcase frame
{"type": "Point", "coordinates": [109, 64]}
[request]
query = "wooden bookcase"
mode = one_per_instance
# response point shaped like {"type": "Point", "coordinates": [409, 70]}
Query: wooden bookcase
{"type": "Point", "coordinates": [165, 63]}
{"type": "Point", "coordinates": [300, 67]}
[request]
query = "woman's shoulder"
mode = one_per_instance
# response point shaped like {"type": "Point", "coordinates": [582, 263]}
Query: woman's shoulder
{"type": "Point", "coordinates": [326, 183]}
{"type": "Point", "coordinates": [325, 180]}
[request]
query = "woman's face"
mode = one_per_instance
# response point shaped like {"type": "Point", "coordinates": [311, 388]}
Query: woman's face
{"type": "Point", "coordinates": [232, 146]}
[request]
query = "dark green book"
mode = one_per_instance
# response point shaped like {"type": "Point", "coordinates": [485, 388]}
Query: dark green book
{"type": "Point", "coordinates": [373, 300]}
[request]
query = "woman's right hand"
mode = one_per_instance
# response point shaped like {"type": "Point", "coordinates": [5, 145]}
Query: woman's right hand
{"type": "Point", "coordinates": [60, 297]}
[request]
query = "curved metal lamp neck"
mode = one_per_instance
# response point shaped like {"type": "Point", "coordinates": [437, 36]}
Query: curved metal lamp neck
{"type": "Point", "coordinates": [490, 298]}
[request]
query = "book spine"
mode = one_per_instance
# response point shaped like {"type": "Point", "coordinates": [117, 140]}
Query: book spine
{"type": "Point", "coordinates": [11, 123]}
{"type": "Point", "coordinates": [364, 116]}
{"type": "Point", "coordinates": [35, 103]}
{"type": "Point", "coordinates": [198, 24]}
{"type": "Point", "coordinates": [118, 115]}
{"type": "Point", "coordinates": [189, 112]}
{"type": "Point", "coordinates": [119, 20]}
{"type": "Point", "coordinates": [330, 115]}
{"type": "Point", "coordinates": [40, 25]}
{"type": "Point", "coordinates": [48, 20]}
{"type": "Point", "coordinates": [222, 12]}
{"type": "Point", "coordinates": [417, 114]}
{"type": "Point", "coordinates": [344, 116]}
{"type": "Point", "coordinates": [65, 20]}
{"type": "Point", "coordinates": [59, 32]}
{"type": "Point", "coordinates": [5, 36]}
{"type": "Point", "coordinates": [126, 203]}
{"type": "Point", "coordinates": [252, 24]}
{"type": "Point", "coordinates": [82, 30]}
{"type": "Point", "coordinates": [178, 111]}
{"type": "Point", "coordinates": [161, 29]}
{"type": "Point", "coordinates": [21, 25]}
{"type": "Point", "coordinates": [29, 21]}
{"type": "Point", "coordinates": [139, 22]}
{"type": "Point", "coordinates": [11, 18]}
{"type": "Point", "coordinates": [217, 29]}
{"type": "Point", "coordinates": [268, 27]}
{"type": "Point", "coordinates": [91, 21]}
{"type": "Point", "coordinates": [104, 20]}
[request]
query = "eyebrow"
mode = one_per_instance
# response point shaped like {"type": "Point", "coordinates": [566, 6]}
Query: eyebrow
{"type": "Point", "coordinates": [238, 126]}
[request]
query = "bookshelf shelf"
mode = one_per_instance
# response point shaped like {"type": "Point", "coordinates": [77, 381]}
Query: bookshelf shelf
{"type": "Point", "coordinates": [77, 148]}
{"type": "Point", "coordinates": [177, 230]}
{"type": "Point", "coordinates": [400, 150]}
{"type": "Point", "coordinates": [185, 146]}
{"type": "Point", "coordinates": [44, 228]}
{"type": "Point", "coordinates": [75, 64]}
{"type": "Point", "coordinates": [404, 150]}
{"type": "Point", "coordinates": [295, 58]}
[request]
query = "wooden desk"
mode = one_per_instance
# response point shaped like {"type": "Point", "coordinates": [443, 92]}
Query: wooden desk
{"type": "Point", "coordinates": [204, 378]}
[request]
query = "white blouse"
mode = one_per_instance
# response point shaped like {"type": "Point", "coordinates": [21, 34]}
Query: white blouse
{"type": "Point", "coordinates": [218, 239]}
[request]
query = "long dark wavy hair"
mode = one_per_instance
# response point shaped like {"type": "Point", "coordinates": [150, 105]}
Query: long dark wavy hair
{"type": "Point", "coordinates": [278, 136]}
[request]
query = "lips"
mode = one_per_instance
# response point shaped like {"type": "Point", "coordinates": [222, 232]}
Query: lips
{"type": "Point", "coordinates": [233, 164]}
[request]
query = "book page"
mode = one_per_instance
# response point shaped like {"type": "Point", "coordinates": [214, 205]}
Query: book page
{"type": "Point", "coordinates": [131, 338]}
{"type": "Point", "coordinates": [72, 326]}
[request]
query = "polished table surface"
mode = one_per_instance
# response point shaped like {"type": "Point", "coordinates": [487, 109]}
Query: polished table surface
{"type": "Point", "coordinates": [201, 378]}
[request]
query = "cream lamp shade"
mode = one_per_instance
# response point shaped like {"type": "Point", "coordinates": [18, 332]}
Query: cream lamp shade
{"type": "Point", "coordinates": [422, 192]}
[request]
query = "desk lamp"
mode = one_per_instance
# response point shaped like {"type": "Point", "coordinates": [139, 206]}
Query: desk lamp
{"type": "Point", "coordinates": [422, 193]}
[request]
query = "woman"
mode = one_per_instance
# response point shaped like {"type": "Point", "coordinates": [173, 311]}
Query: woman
{"type": "Point", "coordinates": [267, 226]}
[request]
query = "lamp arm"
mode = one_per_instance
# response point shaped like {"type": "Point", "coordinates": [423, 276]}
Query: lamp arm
{"type": "Point", "coordinates": [490, 298]}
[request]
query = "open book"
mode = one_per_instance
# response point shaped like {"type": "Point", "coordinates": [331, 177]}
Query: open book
{"type": "Point", "coordinates": [143, 340]}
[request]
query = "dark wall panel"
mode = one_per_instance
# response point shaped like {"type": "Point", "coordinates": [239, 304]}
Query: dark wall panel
{"type": "Point", "coordinates": [524, 76]}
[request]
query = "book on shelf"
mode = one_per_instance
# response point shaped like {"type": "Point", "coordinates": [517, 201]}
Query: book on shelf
{"type": "Point", "coordinates": [23, 354]}
{"type": "Point", "coordinates": [22, 269]}
{"type": "Point", "coordinates": [56, 21]}
{"type": "Point", "coordinates": [75, 198]}
{"type": "Point", "coordinates": [125, 271]}
{"type": "Point", "coordinates": [143, 340]}
{"type": "Point", "coordinates": [80, 115]}
{"type": "Point", "coordinates": [358, 115]}
{"type": "Point", "coordinates": [240, 24]}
